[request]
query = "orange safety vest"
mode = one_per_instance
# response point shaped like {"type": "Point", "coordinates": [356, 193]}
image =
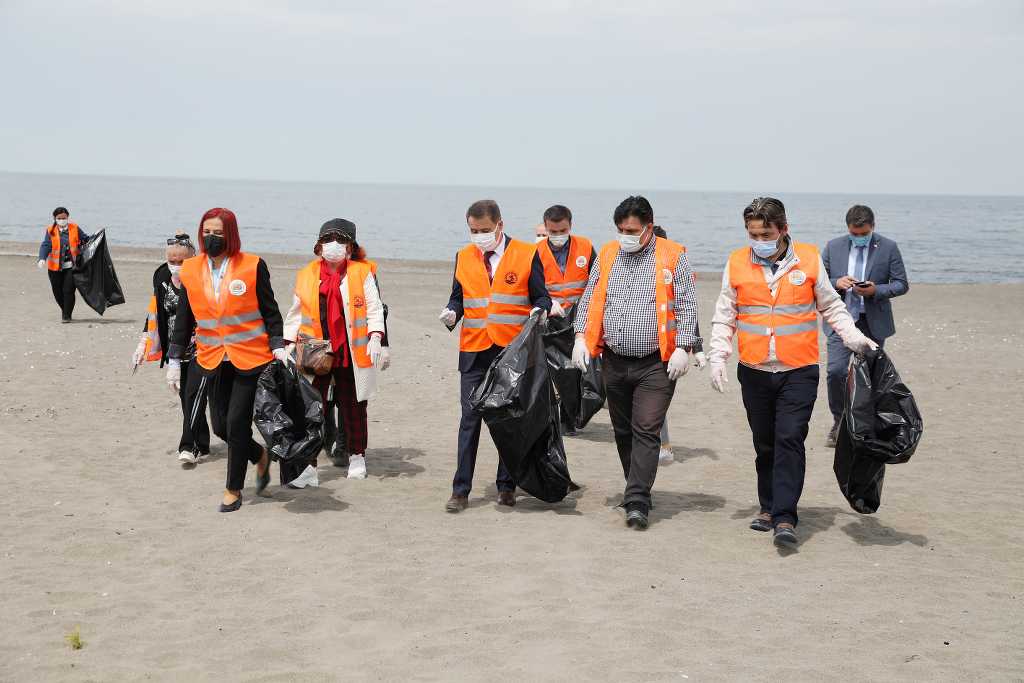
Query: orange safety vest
{"type": "Point", "coordinates": [153, 350]}
{"type": "Point", "coordinates": [307, 288]}
{"type": "Point", "coordinates": [791, 317]}
{"type": "Point", "coordinates": [666, 256]}
{"type": "Point", "coordinates": [53, 260]}
{"type": "Point", "coordinates": [567, 287]}
{"type": "Point", "coordinates": [230, 326]}
{"type": "Point", "coordinates": [494, 312]}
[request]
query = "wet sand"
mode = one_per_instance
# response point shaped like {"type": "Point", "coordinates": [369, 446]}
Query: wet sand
{"type": "Point", "coordinates": [372, 580]}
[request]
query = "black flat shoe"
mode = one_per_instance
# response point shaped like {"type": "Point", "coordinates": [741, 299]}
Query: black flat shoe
{"type": "Point", "coordinates": [233, 506]}
{"type": "Point", "coordinates": [785, 537]}
{"type": "Point", "coordinates": [758, 524]}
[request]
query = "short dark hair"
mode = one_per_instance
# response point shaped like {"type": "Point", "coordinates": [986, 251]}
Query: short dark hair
{"type": "Point", "coordinates": [558, 213]}
{"type": "Point", "coordinates": [635, 206]}
{"type": "Point", "coordinates": [659, 232]}
{"type": "Point", "coordinates": [859, 215]}
{"type": "Point", "coordinates": [484, 208]}
{"type": "Point", "coordinates": [767, 209]}
{"type": "Point", "coordinates": [59, 210]}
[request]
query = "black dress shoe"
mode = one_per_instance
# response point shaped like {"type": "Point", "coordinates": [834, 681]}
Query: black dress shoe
{"type": "Point", "coordinates": [833, 435]}
{"type": "Point", "coordinates": [456, 503]}
{"type": "Point", "coordinates": [507, 498]}
{"type": "Point", "coordinates": [636, 516]}
{"type": "Point", "coordinates": [233, 506]}
{"type": "Point", "coordinates": [761, 524]}
{"type": "Point", "coordinates": [785, 537]}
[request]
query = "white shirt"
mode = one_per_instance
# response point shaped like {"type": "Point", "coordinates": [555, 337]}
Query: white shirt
{"type": "Point", "coordinates": [829, 304]}
{"type": "Point", "coordinates": [852, 263]}
{"type": "Point", "coordinates": [495, 257]}
{"type": "Point", "coordinates": [217, 274]}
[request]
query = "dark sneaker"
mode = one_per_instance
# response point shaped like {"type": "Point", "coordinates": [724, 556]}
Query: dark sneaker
{"type": "Point", "coordinates": [456, 503]}
{"type": "Point", "coordinates": [636, 516]}
{"type": "Point", "coordinates": [785, 537]}
{"type": "Point", "coordinates": [761, 523]}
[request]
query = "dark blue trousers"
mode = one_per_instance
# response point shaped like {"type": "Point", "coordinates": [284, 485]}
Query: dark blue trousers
{"type": "Point", "coordinates": [469, 429]}
{"type": "Point", "coordinates": [779, 406]}
{"type": "Point", "coordinates": [838, 363]}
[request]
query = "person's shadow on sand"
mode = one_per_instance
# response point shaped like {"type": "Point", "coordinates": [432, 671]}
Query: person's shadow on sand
{"type": "Point", "coordinates": [668, 504]}
{"type": "Point", "coordinates": [601, 432]}
{"type": "Point", "coordinates": [304, 501]}
{"type": "Point", "coordinates": [869, 531]}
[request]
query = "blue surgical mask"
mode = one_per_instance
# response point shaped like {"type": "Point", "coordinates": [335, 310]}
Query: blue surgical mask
{"type": "Point", "coordinates": [860, 240]}
{"type": "Point", "coordinates": [764, 249]}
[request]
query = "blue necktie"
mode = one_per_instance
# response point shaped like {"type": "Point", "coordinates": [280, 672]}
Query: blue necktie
{"type": "Point", "coordinates": [856, 303]}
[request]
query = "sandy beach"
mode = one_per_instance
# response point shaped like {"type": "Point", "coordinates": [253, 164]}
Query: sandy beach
{"type": "Point", "coordinates": [372, 580]}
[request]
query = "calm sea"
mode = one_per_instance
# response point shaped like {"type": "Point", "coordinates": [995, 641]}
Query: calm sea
{"type": "Point", "coordinates": [943, 238]}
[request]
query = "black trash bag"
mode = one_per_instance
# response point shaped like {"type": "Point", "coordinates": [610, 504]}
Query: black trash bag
{"type": "Point", "coordinates": [94, 275]}
{"type": "Point", "coordinates": [592, 393]}
{"type": "Point", "coordinates": [289, 414]}
{"type": "Point", "coordinates": [516, 400]}
{"type": "Point", "coordinates": [881, 425]}
{"type": "Point", "coordinates": [559, 338]}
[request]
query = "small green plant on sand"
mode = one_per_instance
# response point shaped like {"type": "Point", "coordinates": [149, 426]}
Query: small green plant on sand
{"type": "Point", "coordinates": [75, 639]}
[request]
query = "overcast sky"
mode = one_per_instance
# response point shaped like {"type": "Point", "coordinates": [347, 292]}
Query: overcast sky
{"type": "Point", "coordinates": [865, 96]}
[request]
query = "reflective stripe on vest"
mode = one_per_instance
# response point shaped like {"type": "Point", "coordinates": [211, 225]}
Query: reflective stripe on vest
{"type": "Point", "coordinates": [53, 259]}
{"type": "Point", "coordinates": [230, 326]}
{"type": "Point", "coordinates": [494, 312]}
{"type": "Point", "coordinates": [666, 257]}
{"type": "Point", "coordinates": [791, 316]}
{"type": "Point", "coordinates": [568, 286]}
{"type": "Point", "coordinates": [307, 288]}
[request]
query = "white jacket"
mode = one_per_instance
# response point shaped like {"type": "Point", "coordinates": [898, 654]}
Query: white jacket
{"type": "Point", "coordinates": [366, 378]}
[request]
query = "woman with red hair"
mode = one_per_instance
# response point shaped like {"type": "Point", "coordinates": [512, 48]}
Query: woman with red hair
{"type": "Point", "coordinates": [228, 300]}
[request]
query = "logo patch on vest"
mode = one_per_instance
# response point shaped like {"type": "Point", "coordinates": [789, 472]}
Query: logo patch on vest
{"type": "Point", "coordinates": [237, 287]}
{"type": "Point", "coordinates": [581, 261]}
{"type": "Point", "coordinates": [511, 278]}
{"type": "Point", "coordinates": [797, 277]}
{"type": "Point", "coordinates": [666, 276]}
{"type": "Point", "coordinates": [358, 302]}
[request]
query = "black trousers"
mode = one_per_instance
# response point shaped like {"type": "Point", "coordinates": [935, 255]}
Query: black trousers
{"type": "Point", "coordinates": [62, 282]}
{"type": "Point", "coordinates": [779, 406]}
{"type": "Point", "coordinates": [196, 438]}
{"type": "Point", "coordinates": [838, 362]}
{"type": "Point", "coordinates": [469, 430]}
{"type": "Point", "coordinates": [232, 400]}
{"type": "Point", "coordinates": [639, 394]}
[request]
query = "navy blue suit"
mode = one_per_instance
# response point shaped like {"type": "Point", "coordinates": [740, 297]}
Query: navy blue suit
{"type": "Point", "coordinates": [884, 267]}
{"type": "Point", "coordinates": [472, 368]}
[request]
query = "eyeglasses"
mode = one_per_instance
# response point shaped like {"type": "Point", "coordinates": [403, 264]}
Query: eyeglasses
{"type": "Point", "coordinates": [179, 239]}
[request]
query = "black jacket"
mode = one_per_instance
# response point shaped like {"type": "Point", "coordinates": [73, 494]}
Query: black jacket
{"type": "Point", "coordinates": [185, 320]}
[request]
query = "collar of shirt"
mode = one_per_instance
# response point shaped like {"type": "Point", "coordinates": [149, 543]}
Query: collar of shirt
{"type": "Point", "coordinates": [216, 275]}
{"type": "Point", "coordinates": [496, 255]}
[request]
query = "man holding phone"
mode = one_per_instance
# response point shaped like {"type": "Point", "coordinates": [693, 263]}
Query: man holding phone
{"type": "Point", "coordinates": [867, 269]}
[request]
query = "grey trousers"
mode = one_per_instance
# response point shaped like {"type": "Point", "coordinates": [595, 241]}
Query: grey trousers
{"type": "Point", "coordinates": [639, 393]}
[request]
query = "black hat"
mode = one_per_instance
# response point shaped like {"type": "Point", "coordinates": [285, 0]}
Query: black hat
{"type": "Point", "coordinates": [339, 226]}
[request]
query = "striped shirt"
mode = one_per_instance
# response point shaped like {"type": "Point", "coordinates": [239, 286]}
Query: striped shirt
{"type": "Point", "coordinates": [631, 310]}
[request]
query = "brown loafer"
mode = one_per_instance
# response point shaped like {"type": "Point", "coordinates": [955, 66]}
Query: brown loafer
{"type": "Point", "coordinates": [506, 498]}
{"type": "Point", "coordinates": [457, 503]}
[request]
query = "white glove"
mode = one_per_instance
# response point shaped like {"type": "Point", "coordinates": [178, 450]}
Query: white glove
{"type": "Point", "coordinates": [556, 310]}
{"type": "Point", "coordinates": [140, 352]}
{"type": "Point", "coordinates": [580, 354]}
{"type": "Point", "coordinates": [861, 345]}
{"type": "Point", "coordinates": [282, 354]}
{"type": "Point", "coordinates": [699, 360]}
{"type": "Point", "coordinates": [374, 348]}
{"type": "Point", "coordinates": [41, 264]}
{"type": "Point", "coordinates": [174, 376]}
{"type": "Point", "coordinates": [719, 378]}
{"type": "Point", "coordinates": [448, 317]}
{"type": "Point", "coordinates": [385, 359]}
{"type": "Point", "coordinates": [678, 364]}
{"type": "Point", "coordinates": [542, 315]}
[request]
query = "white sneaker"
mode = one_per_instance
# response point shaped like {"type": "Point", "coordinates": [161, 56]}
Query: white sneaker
{"type": "Point", "coordinates": [357, 467]}
{"type": "Point", "coordinates": [187, 458]}
{"type": "Point", "coordinates": [665, 457]}
{"type": "Point", "coordinates": [309, 477]}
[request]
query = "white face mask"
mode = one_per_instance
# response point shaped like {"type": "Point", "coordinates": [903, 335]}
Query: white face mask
{"type": "Point", "coordinates": [485, 241]}
{"type": "Point", "coordinates": [62, 222]}
{"type": "Point", "coordinates": [335, 252]}
{"type": "Point", "coordinates": [631, 243]}
{"type": "Point", "coordinates": [173, 268]}
{"type": "Point", "coordinates": [558, 240]}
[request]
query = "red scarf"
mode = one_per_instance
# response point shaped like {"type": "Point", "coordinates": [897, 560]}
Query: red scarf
{"type": "Point", "coordinates": [330, 287]}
